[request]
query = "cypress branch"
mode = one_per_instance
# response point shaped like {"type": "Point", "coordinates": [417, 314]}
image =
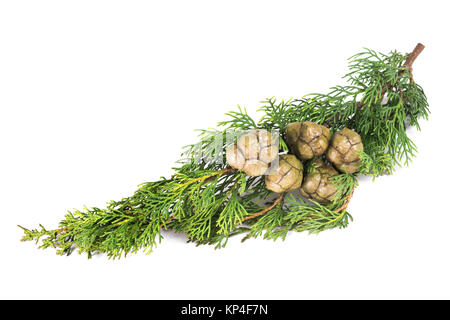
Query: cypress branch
{"type": "Point", "coordinates": [210, 202]}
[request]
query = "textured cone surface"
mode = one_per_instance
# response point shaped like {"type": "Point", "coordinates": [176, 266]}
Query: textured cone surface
{"type": "Point", "coordinates": [235, 158]}
{"type": "Point", "coordinates": [288, 175]}
{"type": "Point", "coordinates": [307, 139]}
{"type": "Point", "coordinates": [255, 167]}
{"type": "Point", "coordinates": [317, 185]}
{"type": "Point", "coordinates": [253, 152]}
{"type": "Point", "coordinates": [343, 151]}
{"type": "Point", "coordinates": [248, 144]}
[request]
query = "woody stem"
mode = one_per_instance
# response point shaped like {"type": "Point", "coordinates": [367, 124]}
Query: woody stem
{"type": "Point", "coordinates": [260, 213]}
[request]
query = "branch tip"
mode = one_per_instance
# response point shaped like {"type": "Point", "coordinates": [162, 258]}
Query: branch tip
{"type": "Point", "coordinates": [413, 55]}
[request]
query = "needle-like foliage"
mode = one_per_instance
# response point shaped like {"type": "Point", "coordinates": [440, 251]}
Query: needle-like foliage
{"type": "Point", "coordinates": [209, 202]}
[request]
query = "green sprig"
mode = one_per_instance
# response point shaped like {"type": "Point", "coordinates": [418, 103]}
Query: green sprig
{"type": "Point", "coordinates": [209, 202]}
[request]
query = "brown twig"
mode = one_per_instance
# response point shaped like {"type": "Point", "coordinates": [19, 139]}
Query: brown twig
{"type": "Point", "coordinates": [411, 58]}
{"type": "Point", "coordinates": [347, 201]}
{"type": "Point", "coordinates": [61, 230]}
{"type": "Point", "coordinates": [413, 55]}
{"type": "Point", "coordinates": [408, 64]}
{"type": "Point", "coordinates": [260, 213]}
{"type": "Point", "coordinates": [220, 173]}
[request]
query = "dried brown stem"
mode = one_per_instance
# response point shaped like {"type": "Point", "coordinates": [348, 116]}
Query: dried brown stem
{"type": "Point", "coordinates": [61, 230]}
{"type": "Point", "coordinates": [260, 213]}
{"type": "Point", "coordinates": [347, 201]}
{"type": "Point", "coordinates": [220, 173]}
{"type": "Point", "coordinates": [413, 55]}
{"type": "Point", "coordinates": [408, 64]}
{"type": "Point", "coordinates": [411, 58]}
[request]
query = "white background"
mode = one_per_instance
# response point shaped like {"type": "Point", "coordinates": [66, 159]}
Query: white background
{"type": "Point", "coordinates": [99, 96]}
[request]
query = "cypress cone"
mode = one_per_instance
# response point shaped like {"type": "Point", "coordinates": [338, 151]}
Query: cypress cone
{"type": "Point", "coordinates": [344, 150]}
{"type": "Point", "coordinates": [307, 139]}
{"type": "Point", "coordinates": [253, 152]}
{"type": "Point", "coordinates": [317, 184]}
{"type": "Point", "coordinates": [288, 175]}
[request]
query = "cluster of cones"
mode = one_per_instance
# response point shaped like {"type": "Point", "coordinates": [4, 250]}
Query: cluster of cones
{"type": "Point", "coordinates": [254, 152]}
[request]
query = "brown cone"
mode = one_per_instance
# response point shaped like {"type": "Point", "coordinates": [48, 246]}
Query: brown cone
{"type": "Point", "coordinates": [253, 152]}
{"type": "Point", "coordinates": [307, 139]}
{"type": "Point", "coordinates": [317, 184]}
{"type": "Point", "coordinates": [343, 151]}
{"type": "Point", "coordinates": [287, 176]}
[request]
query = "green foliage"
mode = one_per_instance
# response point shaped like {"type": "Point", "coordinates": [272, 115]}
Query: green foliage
{"type": "Point", "coordinates": [209, 202]}
{"type": "Point", "coordinates": [238, 120]}
{"type": "Point", "coordinates": [276, 115]}
{"type": "Point", "coordinates": [380, 164]}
